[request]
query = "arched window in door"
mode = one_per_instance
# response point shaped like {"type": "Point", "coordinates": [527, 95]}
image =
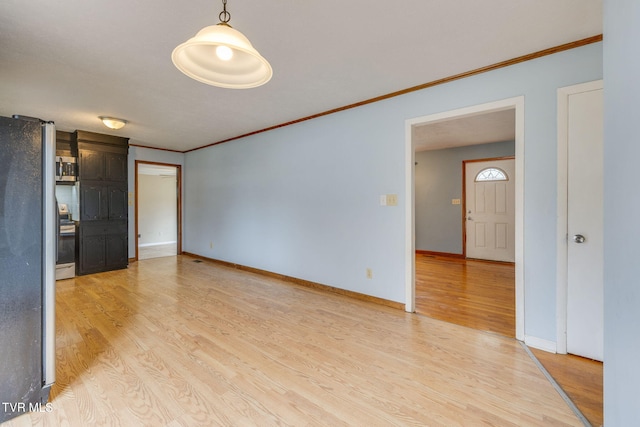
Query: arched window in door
{"type": "Point", "coordinates": [491, 174]}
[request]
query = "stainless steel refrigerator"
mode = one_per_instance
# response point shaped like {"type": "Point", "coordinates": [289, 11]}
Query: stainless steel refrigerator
{"type": "Point", "coordinates": [27, 265]}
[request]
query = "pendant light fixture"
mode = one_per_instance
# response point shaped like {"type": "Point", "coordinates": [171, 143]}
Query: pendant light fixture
{"type": "Point", "coordinates": [221, 56]}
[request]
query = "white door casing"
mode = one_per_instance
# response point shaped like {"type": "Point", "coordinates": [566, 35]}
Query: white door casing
{"type": "Point", "coordinates": [516, 103]}
{"type": "Point", "coordinates": [490, 211]}
{"type": "Point", "coordinates": [580, 223]}
{"type": "Point", "coordinates": [168, 170]}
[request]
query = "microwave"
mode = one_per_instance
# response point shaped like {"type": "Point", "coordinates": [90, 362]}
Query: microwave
{"type": "Point", "coordinates": [66, 169]}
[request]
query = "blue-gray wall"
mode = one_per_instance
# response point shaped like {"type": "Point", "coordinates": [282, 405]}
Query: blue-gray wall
{"type": "Point", "coordinates": [621, 204]}
{"type": "Point", "coordinates": [303, 200]}
{"type": "Point", "coordinates": [438, 180]}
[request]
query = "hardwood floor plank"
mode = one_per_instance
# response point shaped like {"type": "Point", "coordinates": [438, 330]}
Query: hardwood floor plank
{"type": "Point", "coordinates": [170, 342]}
{"type": "Point", "coordinates": [580, 378]}
{"type": "Point", "coordinates": [473, 293]}
{"type": "Point", "coordinates": [157, 251]}
{"type": "Point", "coordinates": [480, 295]}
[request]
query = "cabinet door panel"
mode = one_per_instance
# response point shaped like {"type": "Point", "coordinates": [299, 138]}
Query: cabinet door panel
{"type": "Point", "coordinates": [116, 167]}
{"type": "Point", "coordinates": [116, 251]}
{"type": "Point", "coordinates": [92, 254]}
{"type": "Point", "coordinates": [118, 202]}
{"type": "Point", "coordinates": [93, 204]}
{"type": "Point", "coordinates": [91, 167]}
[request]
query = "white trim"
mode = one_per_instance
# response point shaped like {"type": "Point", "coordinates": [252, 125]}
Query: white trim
{"type": "Point", "coordinates": [519, 230]}
{"type": "Point", "coordinates": [540, 344]}
{"type": "Point", "coordinates": [410, 223]}
{"type": "Point", "coordinates": [505, 104]}
{"type": "Point", "coordinates": [562, 213]}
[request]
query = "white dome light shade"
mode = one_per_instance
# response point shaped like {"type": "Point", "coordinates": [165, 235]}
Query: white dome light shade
{"type": "Point", "coordinates": [112, 122]}
{"type": "Point", "coordinates": [198, 59]}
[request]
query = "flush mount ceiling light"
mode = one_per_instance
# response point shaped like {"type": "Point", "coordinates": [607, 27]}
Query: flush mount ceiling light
{"type": "Point", "coordinates": [221, 56]}
{"type": "Point", "coordinates": [112, 122]}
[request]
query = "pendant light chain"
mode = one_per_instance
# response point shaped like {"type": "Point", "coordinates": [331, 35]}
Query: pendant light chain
{"type": "Point", "coordinates": [224, 16]}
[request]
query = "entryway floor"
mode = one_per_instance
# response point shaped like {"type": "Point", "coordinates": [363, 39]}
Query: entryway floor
{"type": "Point", "coordinates": [472, 293]}
{"type": "Point", "coordinates": [157, 251]}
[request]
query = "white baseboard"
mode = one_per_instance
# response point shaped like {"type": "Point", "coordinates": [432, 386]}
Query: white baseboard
{"type": "Point", "coordinates": [144, 245]}
{"type": "Point", "coordinates": [540, 344]}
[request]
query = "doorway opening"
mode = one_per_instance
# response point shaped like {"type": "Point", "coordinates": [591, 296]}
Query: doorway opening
{"type": "Point", "coordinates": [473, 128]}
{"type": "Point", "coordinates": [158, 214]}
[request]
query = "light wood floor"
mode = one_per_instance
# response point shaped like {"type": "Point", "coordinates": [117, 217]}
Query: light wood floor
{"type": "Point", "coordinates": [171, 342]}
{"type": "Point", "coordinates": [477, 294]}
{"type": "Point", "coordinates": [481, 295]}
{"type": "Point", "coordinates": [157, 251]}
{"type": "Point", "coordinates": [580, 378]}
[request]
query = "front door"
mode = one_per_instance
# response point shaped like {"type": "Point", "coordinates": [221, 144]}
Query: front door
{"type": "Point", "coordinates": [585, 308]}
{"type": "Point", "coordinates": [490, 209]}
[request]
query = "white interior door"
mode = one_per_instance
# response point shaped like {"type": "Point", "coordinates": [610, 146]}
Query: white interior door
{"type": "Point", "coordinates": [585, 317]}
{"type": "Point", "coordinates": [490, 209]}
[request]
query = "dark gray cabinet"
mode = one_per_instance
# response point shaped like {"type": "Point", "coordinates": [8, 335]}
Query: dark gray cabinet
{"type": "Point", "coordinates": [101, 201]}
{"type": "Point", "coordinates": [91, 250]}
{"type": "Point", "coordinates": [117, 250]}
{"type": "Point", "coordinates": [103, 191]}
{"type": "Point", "coordinates": [117, 202]}
{"type": "Point", "coordinates": [90, 165]}
{"type": "Point", "coordinates": [95, 165]}
{"type": "Point", "coordinates": [93, 202]}
{"type": "Point", "coordinates": [103, 246]}
{"type": "Point", "coordinates": [115, 167]}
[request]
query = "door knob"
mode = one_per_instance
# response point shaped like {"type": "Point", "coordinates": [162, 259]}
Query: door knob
{"type": "Point", "coordinates": [469, 218]}
{"type": "Point", "coordinates": [579, 238]}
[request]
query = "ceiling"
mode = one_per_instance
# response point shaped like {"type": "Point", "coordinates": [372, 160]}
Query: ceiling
{"type": "Point", "coordinates": [495, 126]}
{"type": "Point", "coordinates": [158, 170]}
{"type": "Point", "coordinates": [75, 60]}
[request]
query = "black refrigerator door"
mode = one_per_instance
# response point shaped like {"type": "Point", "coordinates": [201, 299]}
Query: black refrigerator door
{"type": "Point", "coordinates": [21, 265]}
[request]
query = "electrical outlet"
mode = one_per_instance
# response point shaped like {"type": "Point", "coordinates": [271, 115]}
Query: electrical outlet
{"type": "Point", "coordinates": [210, 245]}
{"type": "Point", "coordinates": [369, 274]}
{"type": "Point", "coordinates": [455, 201]}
